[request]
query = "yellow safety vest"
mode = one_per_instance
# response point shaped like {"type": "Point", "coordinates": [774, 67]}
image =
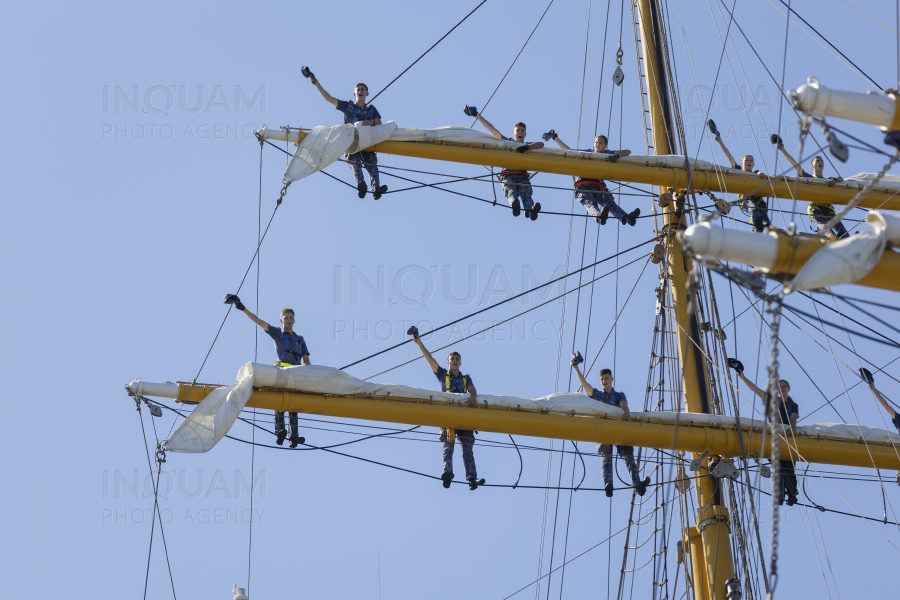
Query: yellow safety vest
{"type": "Point", "coordinates": [447, 383]}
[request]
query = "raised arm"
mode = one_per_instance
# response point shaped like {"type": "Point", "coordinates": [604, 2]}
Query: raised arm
{"type": "Point", "coordinates": [328, 97]}
{"type": "Point", "coordinates": [587, 387]}
{"type": "Point", "coordinates": [233, 299]}
{"type": "Point", "coordinates": [725, 150]}
{"type": "Point", "coordinates": [556, 139]}
{"type": "Point", "coordinates": [489, 127]}
{"type": "Point", "coordinates": [752, 385]}
{"type": "Point", "coordinates": [790, 159]}
{"type": "Point", "coordinates": [887, 407]}
{"type": "Point", "coordinates": [425, 353]}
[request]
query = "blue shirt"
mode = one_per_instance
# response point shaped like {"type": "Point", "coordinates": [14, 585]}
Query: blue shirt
{"type": "Point", "coordinates": [459, 384]}
{"type": "Point", "coordinates": [612, 398]}
{"type": "Point", "coordinates": [785, 412]}
{"type": "Point", "coordinates": [353, 113]}
{"type": "Point", "coordinates": [296, 345]}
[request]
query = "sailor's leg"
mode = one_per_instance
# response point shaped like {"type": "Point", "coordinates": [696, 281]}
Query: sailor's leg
{"type": "Point", "coordinates": [354, 161]}
{"type": "Point", "coordinates": [840, 232]}
{"type": "Point", "coordinates": [446, 453]}
{"type": "Point", "coordinates": [589, 201]}
{"type": "Point", "coordinates": [295, 430]}
{"type": "Point", "coordinates": [279, 422]}
{"type": "Point", "coordinates": [627, 454]}
{"type": "Point", "coordinates": [605, 452]}
{"type": "Point", "coordinates": [370, 161]}
{"type": "Point", "coordinates": [789, 477]}
{"type": "Point", "coordinates": [606, 200]}
{"type": "Point", "coordinates": [759, 213]}
{"type": "Point", "coordinates": [510, 190]}
{"type": "Point", "coordinates": [467, 440]}
{"type": "Point", "coordinates": [525, 190]}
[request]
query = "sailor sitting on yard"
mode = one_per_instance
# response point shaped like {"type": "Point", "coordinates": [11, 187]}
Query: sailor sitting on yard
{"type": "Point", "coordinates": [291, 349]}
{"type": "Point", "coordinates": [610, 396]}
{"type": "Point", "coordinates": [516, 183]}
{"type": "Point", "coordinates": [357, 111]}
{"type": "Point", "coordinates": [593, 193]}
{"type": "Point", "coordinates": [819, 212]}
{"type": "Point", "coordinates": [454, 381]}
{"type": "Point", "coordinates": [755, 205]}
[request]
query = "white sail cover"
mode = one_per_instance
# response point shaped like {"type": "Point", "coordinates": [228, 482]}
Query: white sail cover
{"type": "Point", "coordinates": [213, 417]}
{"type": "Point", "coordinates": [324, 145]}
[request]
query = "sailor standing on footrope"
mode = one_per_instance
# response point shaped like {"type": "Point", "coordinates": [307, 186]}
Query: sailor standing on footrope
{"type": "Point", "coordinates": [292, 351]}
{"type": "Point", "coordinates": [608, 395]}
{"type": "Point", "coordinates": [453, 381]}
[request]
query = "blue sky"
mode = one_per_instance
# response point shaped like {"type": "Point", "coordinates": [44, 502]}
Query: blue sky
{"type": "Point", "coordinates": [124, 226]}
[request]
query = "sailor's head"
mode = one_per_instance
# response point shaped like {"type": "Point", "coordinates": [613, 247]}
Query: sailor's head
{"type": "Point", "coordinates": [817, 163]}
{"type": "Point", "coordinates": [287, 318]}
{"type": "Point", "coordinates": [519, 131]}
{"type": "Point", "coordinates": [747, 162]}
{"type": "Point", "coordinates": [606, 379]}
{"type": "Point", "coordinates": [600, 143]}
{"type": "Point", "coordinates": [784, 388]}
{"type": "Point", "coordinates": [361, 91]}
{"type": "Point", "coordinates": [453, 361]}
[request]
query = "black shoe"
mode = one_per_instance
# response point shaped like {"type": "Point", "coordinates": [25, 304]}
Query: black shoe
{"type": "Point", "coordinates": [296, 440]}
{"type": "Point", "coordinates": [516, 208]}
{"type": "Point", "coordinates": [609, 489]}
{"type": "Point", "coordinates": [474, 483]}
{"type": "Point", "coordinates": [792, 500]}
{"type": "Point", "coordinates": [623, 219]}
{"type": "Point", "coordinates": [281, 435]}
{"type": "Point", "coordinates": [780, 500]}
{"type": "Point", "coordinates": [527, 213]}
{"type": "Point", "coordinates": [641, 488]}
{"type": "Point", "coordinates": [535, 210]}
{"type": "Point", "coordinates": [378, 191]}
{"type": "Point", "coordinates": [361, 188]}
{"type": "Point", "coordinates": [604, 215]}
{"type": "Point", "coordinates": [632, 218]}
{"type": "Point", "coordinates": [447, 478]}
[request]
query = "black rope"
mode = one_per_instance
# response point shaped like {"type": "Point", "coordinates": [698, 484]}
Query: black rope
{"type": "Point", "coordinates": [791, 10]}
{"type": "Point", "coordinates": [427, 51]}
{"type": "Point", "coordinates": [498, 303]}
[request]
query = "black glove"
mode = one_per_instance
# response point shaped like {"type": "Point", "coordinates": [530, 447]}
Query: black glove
{"type": "Point", "coordinates": [523, 149]}
{"type": "Point", "coordinates": [866, 375]}
{"type": "Point", "coordinates": [550, 135]}
{"type": "Point", "coordinates": [307, 73]}
{"type": "Point", "coordinates": [712, 127]}
{"type": "Point", "coordinates": [233, 299]}
{"type": "Point", "coordinates": [776, 139]}
{"type": "Point", "coordinates": [614, 157]}
{"type": "Point", "coordinates": [736, 365]}
{"type": "Point", "coordinates": [577, 358]}
{"type": "Point", "coordinates": [470, 111]}
{"type": "Point", "coordinates": [413, 331]}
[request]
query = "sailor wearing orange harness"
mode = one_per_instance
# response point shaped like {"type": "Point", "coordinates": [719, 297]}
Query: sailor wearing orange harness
{"type": "Point", "coordinates": [292, 351]}
{"type": "Point", "coordinates": [516, 183]}
{"type": "Point", "coordinates": [454, 381]}
{"type": "Point", "coordinates": [593, 193]}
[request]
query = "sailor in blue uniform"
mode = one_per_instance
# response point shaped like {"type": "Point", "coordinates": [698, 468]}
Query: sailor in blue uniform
{"type": "Point", "coordinates": [454, 381]}
{"type": "Point", "coordinates": [516, 183]}
{"type": "Point", "coordinates": [755, 205]}
{"type": "Point", "coordinates": [357, 111]}
{"type": "Point", "coordinates": [610, 396]}
{"type": "Point", "coordinates": [291, 349]}
{"type": "Point", "coordinates": [593, 193]}
{"type": "Point", "coordinates": [819, 212]}
{"type": "Point", "coordinates": [870, 381]}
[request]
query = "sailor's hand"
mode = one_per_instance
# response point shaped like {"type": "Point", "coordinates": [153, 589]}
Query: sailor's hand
{"type": "Point", "coordinates": [831, 182]}
{"type": "Point", "coordinates": [314, 81]}
{"type": "Point", "coordinates": [233, 299]}
{"type": "Point", "coordinates": [523, 149]}
{"type": "Point", "coordinates": [613, 158]}
{"type": "Point", "coordinates": [867, 376]}
{"type": "Point", "coordinates": [761, 175]}
{"type": "Point", "coordinates": [471, 401]}
{"type": "Point", "coordinates": [627, 415]}
{"type": "Point", "coordinates": [366, 123]}
{"type": "Point", "coordinates": [718, 138]}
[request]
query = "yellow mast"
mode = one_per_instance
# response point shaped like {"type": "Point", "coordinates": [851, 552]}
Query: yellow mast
{"type": "Point", "coordinates": [714, 548]}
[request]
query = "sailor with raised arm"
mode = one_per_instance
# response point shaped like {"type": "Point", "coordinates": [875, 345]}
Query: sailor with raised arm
{"type": "Point", "coordinates": [755, 205]}
{"type": "Point", "coordinates": [357, 111]}
{"type": "Point", "coordinates": [516, 183]}
{"type": "Point", "coordinates": [593, 193]}
{"type": "Point", "coordinates": [608, 395]}
{"type": "Point", "coordinates": [819, 212]}
{"type": "Point", "coordinates": [291, 349]}
{"type": "Point", "coordinates": [454, 381]}
{"type": "Point", "coordinates": [870, 381]}
{"type": "Point", "coordinates": [788, 412]}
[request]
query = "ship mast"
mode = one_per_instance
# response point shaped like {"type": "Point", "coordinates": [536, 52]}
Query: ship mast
{"type": "Point", "coordinates": [709, 540]}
